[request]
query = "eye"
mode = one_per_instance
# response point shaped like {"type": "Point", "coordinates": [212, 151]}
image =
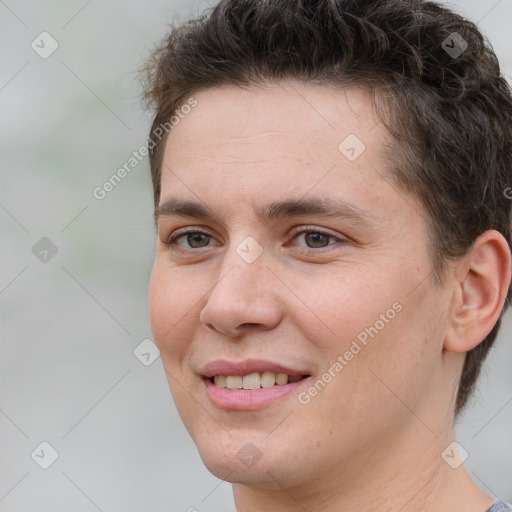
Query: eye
{"type": "Point", "coordinates": [192, 239]}
{"type": "Point", "coordinates": [315, 239]}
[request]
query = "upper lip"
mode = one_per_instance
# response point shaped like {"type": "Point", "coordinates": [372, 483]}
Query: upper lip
{"type": "Point", "coordinates": [225, 367]}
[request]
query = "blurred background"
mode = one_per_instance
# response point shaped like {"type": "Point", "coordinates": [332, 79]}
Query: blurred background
{"type": "Point", "coordinates": [87, 421]}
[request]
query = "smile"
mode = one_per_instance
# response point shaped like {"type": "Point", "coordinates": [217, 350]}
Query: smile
{"type": "Point", "coordinates": [254, 380]}
{"type": "Point", "coordinates": [250, 384]}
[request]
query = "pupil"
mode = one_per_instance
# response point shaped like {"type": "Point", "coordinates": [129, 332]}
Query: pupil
{"type": "Point", "coordinates": [315, 239]}
{"type": "Point", "coordinates": [197, 237]}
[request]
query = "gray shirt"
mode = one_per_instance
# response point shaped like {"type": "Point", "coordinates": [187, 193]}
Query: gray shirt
{"type": "Point", "coordinates": [500, 506]}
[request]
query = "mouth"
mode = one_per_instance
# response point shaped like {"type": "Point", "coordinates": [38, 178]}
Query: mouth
{"type": "Point", "coordinates": [250, 385]}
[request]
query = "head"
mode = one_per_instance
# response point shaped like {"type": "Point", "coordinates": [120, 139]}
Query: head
{"type": "Point", "coordinates": [378, 108]}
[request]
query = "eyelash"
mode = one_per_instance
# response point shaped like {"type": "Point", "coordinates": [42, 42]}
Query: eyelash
{"type": "Point", "coordinates": [171, 243]}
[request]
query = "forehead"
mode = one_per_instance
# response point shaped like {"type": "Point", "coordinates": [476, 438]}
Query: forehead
{"type": "Point", "coordinates": [254, 146]}
{"type": "Point", "coordinates": [303, 112]}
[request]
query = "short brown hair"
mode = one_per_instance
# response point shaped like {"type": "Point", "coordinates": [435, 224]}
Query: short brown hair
{"type": "Point", "coordinates": [447, 107]}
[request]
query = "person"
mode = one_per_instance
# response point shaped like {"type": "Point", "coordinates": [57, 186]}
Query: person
{"type": "Point", "coordinates": [334, 246]}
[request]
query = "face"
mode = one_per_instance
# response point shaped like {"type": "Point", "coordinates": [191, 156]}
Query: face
{"type": "Point", "coordinates": [300, 257]}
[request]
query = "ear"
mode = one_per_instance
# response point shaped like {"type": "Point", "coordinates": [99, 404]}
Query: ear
{"type": "Point", "coordinates": [482, 285]}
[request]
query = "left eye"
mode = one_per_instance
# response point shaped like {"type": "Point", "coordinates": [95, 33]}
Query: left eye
{"type": "Point", "coordinates": [315, 239]}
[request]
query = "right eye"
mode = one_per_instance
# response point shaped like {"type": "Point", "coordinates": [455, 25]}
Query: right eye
{"type": "Point", "coordinates": [194, 239]}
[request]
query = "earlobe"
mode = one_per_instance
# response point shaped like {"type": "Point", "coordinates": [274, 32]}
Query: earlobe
{"type": "Point", "coordinates": [483, 287]}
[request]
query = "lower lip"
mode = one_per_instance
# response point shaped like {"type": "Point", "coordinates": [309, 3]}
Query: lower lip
{"type": "Point", "coordinates": [248, 399]}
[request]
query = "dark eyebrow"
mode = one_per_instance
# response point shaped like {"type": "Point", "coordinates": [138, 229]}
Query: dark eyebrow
{"type": "Point", "coordinates": [324, 207]}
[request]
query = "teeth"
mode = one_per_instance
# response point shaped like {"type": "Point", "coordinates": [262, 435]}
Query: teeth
{"type": "Point", "coordinates": [281, 378]}
{"type": "Point", "coordinates": [268, 379]}
{"type": "Point", "coordinates": [253, 380]}
{"type": "Point", "coordinates": [234, 382]}
{"type": "Point", "coordinates": [220, 380]}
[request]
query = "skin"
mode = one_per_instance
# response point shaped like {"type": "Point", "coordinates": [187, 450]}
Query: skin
{"type": "Point", "coordinates": [372, 438]}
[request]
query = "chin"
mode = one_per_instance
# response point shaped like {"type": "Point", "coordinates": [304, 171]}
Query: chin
{"type": "Point", "coordinates": [257, 462]}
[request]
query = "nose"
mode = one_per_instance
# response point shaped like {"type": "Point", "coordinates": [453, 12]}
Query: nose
{"type": "Point", "coordinates": [244, 298]}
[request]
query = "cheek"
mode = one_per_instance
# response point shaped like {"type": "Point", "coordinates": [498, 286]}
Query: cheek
{"type": "Point", "coordinates": [160, 304]}
{"type": "Point", "coordinates": [171, 310]}
{"type": "Point", "coordinates": [389, 344]}
{"type": "Point", "coordinates": [342, 304]}
{"type": "Point", "coordinates": [371, 321]}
